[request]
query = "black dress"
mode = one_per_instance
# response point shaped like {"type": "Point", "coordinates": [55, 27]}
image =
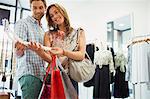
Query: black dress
{"type": "Point", "coordinates": [101, 83]}
{"type": "Point", "coordinates": [121, 89]}
{"type": "Point", "coordinates": [90, 49]}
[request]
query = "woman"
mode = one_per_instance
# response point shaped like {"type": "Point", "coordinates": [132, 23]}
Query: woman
{"type": "Point", "coordinates": [62, 38]}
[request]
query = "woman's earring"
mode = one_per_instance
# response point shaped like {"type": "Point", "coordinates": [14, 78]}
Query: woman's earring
{"type": "Point", "coordinates": [51, 28]}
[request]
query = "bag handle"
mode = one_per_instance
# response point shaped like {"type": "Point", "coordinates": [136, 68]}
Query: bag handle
{"type": "Point", "coordinates": [50, 67]}
{"type": "Point", "coordinates": [77, 43]}
{"type": "Point", "coordinates": [88, 56]}
{"type": "Point", "coordinates": [58, 63]}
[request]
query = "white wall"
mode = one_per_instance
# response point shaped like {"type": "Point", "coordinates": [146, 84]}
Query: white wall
{"type": "Point", "coordinates": [93, 15]}
{"type": "Point", "coordinates": [149, 17]}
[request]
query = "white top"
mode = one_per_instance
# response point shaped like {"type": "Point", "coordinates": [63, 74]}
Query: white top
{"type": "Point", "coordinates": [120, 60]}
{"type": "Point", "coordinates": [104, 57]}
{"type": "Point", "coordinates": [140, 63]}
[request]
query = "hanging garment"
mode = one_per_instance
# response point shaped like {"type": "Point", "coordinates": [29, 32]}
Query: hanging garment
{"type": "Point", "coordinates": [129, 65]}
{"type": "Point", "coordinates": [105, 66]}
{"type": "Point", "coordinates": [120, 61]}
{"type": "Point", "coordinates": [148, 56]}
{"type": "Point", "coordinates": [113, 56]}
{"type": "Point", "coordinates": [121, 89]}
{"type": "Point", "coordinates": [101, 83]}
{"type": "Point", "coordinates": [90, 49]}
{"type": "Point", "coordinates": [140, 67]}
{"type": "Point", "coordinates": [104, 57]}
{"type": "Point", "coordinates": [113, 53]}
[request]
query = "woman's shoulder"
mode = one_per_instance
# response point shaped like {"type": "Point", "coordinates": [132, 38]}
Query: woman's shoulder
{"type": "Point", "coordinates": [48, 34]}
{"type": "Point", "coordinates": [80, 31]}
{"type": "Point", "coordinates": [79, 28]}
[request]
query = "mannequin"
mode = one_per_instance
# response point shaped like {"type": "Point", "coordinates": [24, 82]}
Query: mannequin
{"type": "Point", "coordinates": [104, 62]}
{"type": "Point", "coordinates": [121, 89]}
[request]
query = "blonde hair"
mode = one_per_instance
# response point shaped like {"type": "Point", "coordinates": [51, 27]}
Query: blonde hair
{"type": "Point", "coordinates": [63, 11]}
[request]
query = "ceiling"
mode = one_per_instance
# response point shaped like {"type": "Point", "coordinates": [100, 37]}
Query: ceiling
{"type": "Point", "coordinates": [25, 3]}
{"type": "Point", "coordinates": [123, 23]}
{"type": "Point", "coordinates": [118, 23]}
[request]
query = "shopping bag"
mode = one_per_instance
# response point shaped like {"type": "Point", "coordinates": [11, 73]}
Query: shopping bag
{"type": "Point", "coordinates": [81, 70]}
{"type": "Point", "coordinates": [69, 89]}
{"type": "Point", "coordinates": [57, 88]}
{"type": "Point", "coordinates": [45, 92]}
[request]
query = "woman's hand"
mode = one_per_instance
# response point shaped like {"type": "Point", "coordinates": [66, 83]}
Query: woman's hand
{"type": "Point", "coordinates": [57, 51]}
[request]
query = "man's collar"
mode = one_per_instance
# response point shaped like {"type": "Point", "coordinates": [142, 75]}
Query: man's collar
{"type": "Point", "coordinates": [33, 20]}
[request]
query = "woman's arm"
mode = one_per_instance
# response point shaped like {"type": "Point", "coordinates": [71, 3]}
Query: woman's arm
{"type": "Point", "coordinates": [80, 54]}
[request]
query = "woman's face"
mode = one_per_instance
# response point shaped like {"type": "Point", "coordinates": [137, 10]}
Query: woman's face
{"type": "Point", "coordinates": [56, 16]}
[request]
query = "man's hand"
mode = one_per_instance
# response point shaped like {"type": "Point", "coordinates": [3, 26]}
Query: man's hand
{"type": "Point", "coordinates": [20, 47]}
{"type": "Point", "coordinates": [35, 46]}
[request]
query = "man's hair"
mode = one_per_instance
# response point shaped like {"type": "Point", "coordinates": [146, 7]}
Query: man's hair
{"type": "Point", "coordinates": [44, 1]}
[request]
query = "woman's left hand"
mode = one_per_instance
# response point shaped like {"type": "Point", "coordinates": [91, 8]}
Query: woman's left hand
{"type": "Point", "coordinates": [57, 51]}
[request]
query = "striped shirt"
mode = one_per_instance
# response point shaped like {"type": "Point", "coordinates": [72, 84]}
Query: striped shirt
{"type": "Point", "coordinates": [30, 63]}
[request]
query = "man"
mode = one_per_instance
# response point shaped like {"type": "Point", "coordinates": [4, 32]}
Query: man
{"type": "Point", "coordinates": [30, 67]}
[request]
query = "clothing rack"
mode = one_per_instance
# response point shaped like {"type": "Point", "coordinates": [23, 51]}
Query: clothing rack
{"type": "Point", "coordinates": [139, 39]}
{"type": "Point", "coordinates": [148, 35]}
{"type": "Point", "coordinates": [137, 87]}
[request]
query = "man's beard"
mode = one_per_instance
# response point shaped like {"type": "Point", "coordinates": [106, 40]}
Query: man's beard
{"type": "Point", "coordinates": [38, 16]}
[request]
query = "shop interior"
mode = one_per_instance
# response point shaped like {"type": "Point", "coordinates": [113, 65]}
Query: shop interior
{"type": "Point", "coordinates": [121, 25]}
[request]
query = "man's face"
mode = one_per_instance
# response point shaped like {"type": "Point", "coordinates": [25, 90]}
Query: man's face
{"type": "Point", "coordinates": [38, 9]}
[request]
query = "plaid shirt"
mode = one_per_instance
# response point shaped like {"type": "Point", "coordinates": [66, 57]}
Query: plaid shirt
{"type": "Point", "coordinates": [30, 63]}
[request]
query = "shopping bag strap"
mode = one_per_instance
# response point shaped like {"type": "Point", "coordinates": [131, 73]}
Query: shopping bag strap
{"type": "Point", "coordinates": [58, 63]}
{"type": "Point", "coordinates": [50, 67]}
{"type": "Point", "coordinates": [48, 70]}
{"type": "Point", "coordinates": [53, 63]}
